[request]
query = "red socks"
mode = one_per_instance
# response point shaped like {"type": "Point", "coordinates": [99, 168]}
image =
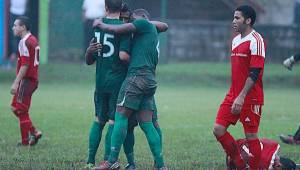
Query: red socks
{"type": "Point", "coordinates": [25, 127]}
{"type": "Point", "coordinates": [255, 150]}
{"type": "Point", "coordinates": [231, 148]}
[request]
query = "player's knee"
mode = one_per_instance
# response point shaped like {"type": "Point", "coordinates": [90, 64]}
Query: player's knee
{"type": "Point", "coordinates": [14, 110]}
{"type": "Point", "coordinates": [124, 111]}
{"type": "Point", "coordinates": [219, 130]}
{"type": "Point", "coordinates": [121, 109]}
{"type": "Point", "coordinates": [145, 116]}
{"type": "Point", "coordinates": [17, 111]}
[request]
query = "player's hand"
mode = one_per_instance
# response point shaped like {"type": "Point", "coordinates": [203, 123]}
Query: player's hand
{"type": "Point", "coordinates": [237, 105]}
{"type": "Point", "coordinates": [97, 23]}
{"type": "Point", "coordinates": [14, 88]}
{"type": "Point", "coordinates": [94, 47]}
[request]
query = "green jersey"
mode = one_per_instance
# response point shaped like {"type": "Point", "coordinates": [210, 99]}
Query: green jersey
{"type": "Point", "coordinates": [145, 47]}
{"type": "Point", "coordinates": [110, 70]}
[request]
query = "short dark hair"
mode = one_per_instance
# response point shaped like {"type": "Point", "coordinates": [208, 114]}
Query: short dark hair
{"type": "Point", "coordinates": [287, 164]}
{"type": "Point", "coordinates": [247, 12]}
{"type": "Point", "coordinates": [113, 5]}
{"type": "Point", "coordinates": [142, 12]}
{"type": "Point", "coordinates": [23, 20]}
{"type": "Point", "coordinates": [125, 8]}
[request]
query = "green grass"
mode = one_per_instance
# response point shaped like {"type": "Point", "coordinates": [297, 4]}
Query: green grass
{"type": "Point", "coordinates": [63, 109]}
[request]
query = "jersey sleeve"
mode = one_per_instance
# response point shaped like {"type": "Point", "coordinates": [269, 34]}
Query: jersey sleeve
{"type": "Point", "coordinates": [141, 25]}
{"type": "Point", "coordinates": [24, 52]}
{"type": "Point", "coordinates": [125, 43]}
{"type": "Point", "coordinates": [258, 53]}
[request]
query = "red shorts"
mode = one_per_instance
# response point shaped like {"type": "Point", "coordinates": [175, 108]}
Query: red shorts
{"type": "Point", "coordinates": [249, 116]}
{"type": "Point", "coordinates": [22, 99]}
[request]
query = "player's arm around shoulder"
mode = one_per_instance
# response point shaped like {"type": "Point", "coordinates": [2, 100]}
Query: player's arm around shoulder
{"type": "Point", "coordinates": [118, 29]}
{"type": "Point", "coordinates": [160, 26]}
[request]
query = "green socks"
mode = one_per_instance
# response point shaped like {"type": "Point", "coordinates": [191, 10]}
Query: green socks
{"type": "Point", "coordinates": [94, 141]}
{"type": "Point", "coordinates": [107, 144]}
{"type": "Point", "coordinates": [118, 136]}
{"type": "Point", "coordinates": [158, 130]}
{"type": "Point", "coordinates": [128, 147]}
{"type": "Point", "coordinates": [154, 142]}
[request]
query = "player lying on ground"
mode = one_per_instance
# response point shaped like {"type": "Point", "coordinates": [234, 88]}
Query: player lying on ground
{"type": "Point", "coordinates": [270, 158]}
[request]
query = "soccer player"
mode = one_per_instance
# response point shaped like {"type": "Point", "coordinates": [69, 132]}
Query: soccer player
{"type": "Point", "coordinates": [289, 62]}
{"type": "Point", "coordinates": [132, 123]}
{"type": "Point", "coordinates": [269, 156]}
{"type": "Point", "coordinates": [138, 89]}
{"type": "Point", "coordinates": [26, 81]}
{"type": "Point", "coordinates": [245, 97]}
{"type": "Point", "coordinates": [110, 52]}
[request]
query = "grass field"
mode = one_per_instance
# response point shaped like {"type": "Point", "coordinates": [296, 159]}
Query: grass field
{"type": "Point", "coordinates": [188, 98]}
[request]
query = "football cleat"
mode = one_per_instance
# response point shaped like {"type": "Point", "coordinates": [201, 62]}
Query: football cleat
{"type": "Point", "coordinates": [38, 134]}
{"type": "Point", "coordinates": [108, 166]}
{"type": "Point", "coordinates": [34, 138]}
{"type": "Point", "coordinates": [130, 167]}
{"type": "Point", "coordinates": [288, 63]}
{"type": "Point", "coordinates": [289, 139]}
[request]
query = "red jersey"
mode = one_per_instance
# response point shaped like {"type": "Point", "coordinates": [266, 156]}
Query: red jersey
{"type": "Point", "coordinates": [28, 53]}
{"type": "Point", "coordinates": [247, 52]}
{"type": "Point", "coordinates": [269, 149]}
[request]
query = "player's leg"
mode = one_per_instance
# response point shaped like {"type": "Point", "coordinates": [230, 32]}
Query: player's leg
{"type": "Point", "coordinates": [289, 62]}
{"type": "Point", "coordinates": [95, 135]}
{"type": "Point", "coordinates": [117, 138]}
{"type": "Point", "coordinates": [20, 107]}
{"type": "Point", "coordinates": [107, 144]}
{"type": "Point", "coordinates": [113, 98]}
{"type": "Point", "coordinates": [119, 132]}
{"type": "Point", "coordinates": [223, 120]}
{"type": "Point", "coordinates": [96, 129]}
{"type": "Point", "coordinates": [156, 125]}
{"type": "Point", "coordinates": [128, 144]}
{"type": "Point", "coordinates": [250, 118]}
{"type": "Point", "coordinates": [129, 100]}
{"type": "Point", "coordinates": [146, 124]}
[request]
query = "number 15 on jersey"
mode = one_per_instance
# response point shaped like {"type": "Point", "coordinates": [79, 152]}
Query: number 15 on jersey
{"type": "Point", "coordinates": [106, 42]}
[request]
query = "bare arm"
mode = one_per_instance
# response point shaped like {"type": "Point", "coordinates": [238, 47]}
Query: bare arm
{"type": "Point", "coordinates": [118, 29]}
{"type": "Point", "coordinates": [20, 76]}
{"type": "Point", "coordinates": [161, 26]}
{"type": "Point", "coordinates": [239, 101]}
{"type": "Point", "coordinates": [93, 47]}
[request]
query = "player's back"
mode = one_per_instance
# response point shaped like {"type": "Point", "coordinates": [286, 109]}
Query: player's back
{"type": "Point", "coordinates": [145, 46]}
{"type": "Point", "coordinates": [110, 69]}
{"type": "Point", "coordinates": [28, 53]}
